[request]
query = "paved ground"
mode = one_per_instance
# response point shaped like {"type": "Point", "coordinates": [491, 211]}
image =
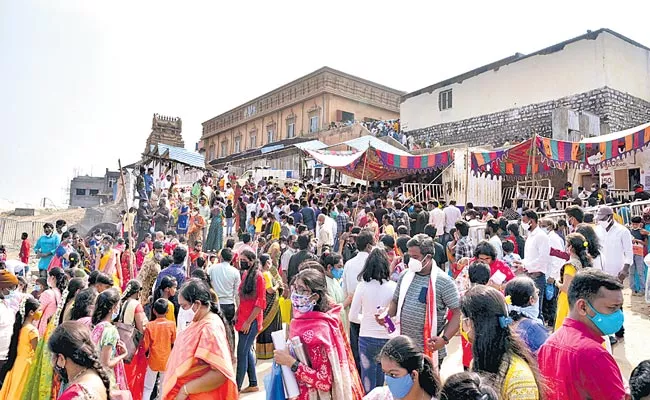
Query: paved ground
{"type": "Point", "coordinates": [627, 353]}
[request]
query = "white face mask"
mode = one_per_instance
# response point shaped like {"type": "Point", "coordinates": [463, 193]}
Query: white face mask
{"type": "Point", "coordinates": [415, 265]}
{"type": "Point", "coordinates": [525, 225]}
{"type": "Point", "coordinates": [603, 224]}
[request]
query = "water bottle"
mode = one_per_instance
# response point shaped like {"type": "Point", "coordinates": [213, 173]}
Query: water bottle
{"type": "Point", "coordinates": [388, 322]}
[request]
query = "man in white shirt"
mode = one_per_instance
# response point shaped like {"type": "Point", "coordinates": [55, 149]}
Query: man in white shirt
{"type": "Point", "coordinates": [365, 242]}
{"type": "Point", "coordinates": [8, 282]}
{"type": "Point", "coordinates": [452, 214]}
{"type": "Point", "coordinates": [491, 230]}
{"type": "Point", "coordinates": [286, 256]}
{"type": "Point", "coordinates": [537, 253]}
{"type": "Point", "coordinates": [437, 218]}
{"type": "Point", "coordinates": [324, 235]}
{"type": "Point", "coordinates": [225, 280]}
{"type": "Point", "coordinates": [616, 247]}
{"type": "Point", "coordinates": [553, 272]}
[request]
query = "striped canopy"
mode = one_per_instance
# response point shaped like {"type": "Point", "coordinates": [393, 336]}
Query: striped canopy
{"type": "Point", "coordinates": [515, 161]}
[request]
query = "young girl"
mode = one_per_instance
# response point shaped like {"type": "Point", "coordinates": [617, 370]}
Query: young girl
{"type": "Point", "coordinates": [577, 247]}
{"type": "Point", "coordinates": [167, 290]}
{"type": "Point", "coordinates": [250, 225]}
{"type": "Point", "coordinates": [13, 374]}
{"type": "Point", "coordinates": [107, 338]}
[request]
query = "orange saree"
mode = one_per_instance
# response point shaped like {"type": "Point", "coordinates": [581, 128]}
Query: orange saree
{"type": "Point", "coordinates": [198, 349]}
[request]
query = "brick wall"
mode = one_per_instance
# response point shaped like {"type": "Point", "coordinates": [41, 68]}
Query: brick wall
{"type": "Point", "coordinates": [616, 109]}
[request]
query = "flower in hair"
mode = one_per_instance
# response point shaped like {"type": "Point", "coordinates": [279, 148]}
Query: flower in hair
{"type": "Point", "coordinates": [586, 244]}
{"type": "Point", "coordinates": [21, 307]}
{"type": "Point", "coordinates": [508, 300]}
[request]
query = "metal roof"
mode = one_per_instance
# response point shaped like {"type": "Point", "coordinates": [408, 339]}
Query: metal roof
{"type": "Point", "coordinates": [178, 154]}
{"type": "Point", "coordinates": [362, 143]}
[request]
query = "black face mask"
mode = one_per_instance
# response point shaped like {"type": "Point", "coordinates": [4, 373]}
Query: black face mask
{"type": "Point", "coordinates": [61, 371]}
{"type": "Point", "coordinates": [244, 265]}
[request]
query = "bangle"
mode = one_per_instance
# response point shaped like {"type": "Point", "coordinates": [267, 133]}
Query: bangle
{"type": "Point", "coordinates": [185, 390]}
{"type": "Point", "coordinates": [445, 338]}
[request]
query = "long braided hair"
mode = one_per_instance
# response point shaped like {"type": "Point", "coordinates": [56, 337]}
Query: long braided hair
{"type": "Point", "coordinates": [74, 286]}
{"type": "Point", "coordinates": [104, 304]}
{"type": "Point", "coordinates": [71, 339]}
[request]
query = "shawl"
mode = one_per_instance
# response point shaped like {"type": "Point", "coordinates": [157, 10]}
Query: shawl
{"type": "Point", "coordinates": [431, 317]}
{"type": "Point", "coordinates": [317, 328]}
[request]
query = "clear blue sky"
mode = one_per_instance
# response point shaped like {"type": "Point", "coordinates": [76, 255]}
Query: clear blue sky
{"type": "Point", "coordinates": [80, 80]}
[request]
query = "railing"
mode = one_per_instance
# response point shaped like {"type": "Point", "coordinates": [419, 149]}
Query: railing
{"type": "Point", "coordinates": [11, 231]}
{"type": "Point", "coordinates": [533, 191]}
{"type": "Point", "coordinates": [420, 192]}
{"type": "Point", "coordinates": [636, 209]}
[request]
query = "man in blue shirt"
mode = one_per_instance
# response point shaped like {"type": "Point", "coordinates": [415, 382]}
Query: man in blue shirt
{"type": "Point", "coordinates": [308, 215]}
{"type": "Point", "coordinates": [148, 182]}
{"type": "Point", "coordinates": [176, 270]}
{"type": "Point", "coordinates": [45, 248]}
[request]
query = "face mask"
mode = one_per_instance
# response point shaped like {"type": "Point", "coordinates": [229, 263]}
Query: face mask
{"type": "Point", "coordinates": [525, 225]}
{"type": "Point", "coordinates": [243, 265]}
{"type": "Point", "coordinates": [37, 288]}
{"type": "Point", "coordinates": [603, 224]}
{"type": "Point", "coordinates": [608, 324]}
{"type": "Point", "coordinates": [115, 316]}
{"type": "Point", "coordinates": [399, 387]}
{"type": "Point", "coordinates": [546, 230]}
{"type": "Point", "coordinates": [415, 265]}
{"type": "Point", "coordinates": [301, 303]}
{"type": "Point", "coordinates": [37, 315]}
{"type": "Point", "coordinates": [337, 273]}
{"type": "Point", "coordinates": [158, 256]}
{"type": "Point", "coordinates": [63, 374]}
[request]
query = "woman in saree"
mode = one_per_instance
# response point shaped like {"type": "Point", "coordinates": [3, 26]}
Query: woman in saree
{"type": "Point", "coordinates": [41, 383]}
{"type": "Point", "coordinates": [183, 218]}
{"type": "Point", "coordinates": [329, 370]}
{"type": "Point", "coordinates": [214, 241]}
{"type": "Point", "coordinates": [108, 262]}
{"type": "Point", "coordinates": [197, 223]}
{"type": "Point", "coordinates": [132, 313]}
{"type": "Point", "coordinates": [127, 263]}
{"type": "Point", "coordinates": [272, 318]}
{"type": "Point", "coordinates": [200, 366]}
{"type": "Point", "coordinates": [51, 299]}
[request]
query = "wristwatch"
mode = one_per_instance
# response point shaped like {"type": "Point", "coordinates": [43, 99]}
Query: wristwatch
{"type": "Point", "coordinates": [445, 338]}
{"type": "Point", "coordinates": [295, 366]}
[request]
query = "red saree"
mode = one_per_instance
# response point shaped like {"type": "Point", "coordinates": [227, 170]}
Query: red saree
{"type": "Point", "coordinates": [198, 349]}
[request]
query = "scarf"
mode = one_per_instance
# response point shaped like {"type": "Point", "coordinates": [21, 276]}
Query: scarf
{"type": "Point", "coordinates": [316, 329]}
{"type": "Point", "coordinates": [431, 316]}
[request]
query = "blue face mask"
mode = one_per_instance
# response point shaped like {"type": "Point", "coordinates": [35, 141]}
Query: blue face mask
{"type": "Point", "coordinates": [337, 273]}
{"type": "Point", "coordinates": [608, 324]}
{"type": "Point", "coordinates": [399, 387]}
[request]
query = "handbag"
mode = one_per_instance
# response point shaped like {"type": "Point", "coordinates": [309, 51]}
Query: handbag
{"type": "Point", "coordinates": [273, 384]}
{"type": "Point", "coordinates": [129, 335]}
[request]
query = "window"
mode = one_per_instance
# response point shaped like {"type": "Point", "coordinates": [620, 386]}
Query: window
{"type": "Point", "coordinates": [313, 124]}
{"type": "Point", "coordinates": [253, 141]}
{"type": "Point", "coordinates": [444, 101]}
{"type": "Point", "coordinates": [80, 192]}
{"type": "Point", "coordinates": [94, 192]}
{"type": "Point", "coordinates": [112, 182]}
{"type": "Point", "coordinates": [237, 144]}
{"type": "Point", "coordinates": [291, 127]}
{"type": "Point", "coordinates": [211, 155]}
{"type": "Point", "coordinates": [270, 132]}
{"type": "Point", "coordinates": [224, 149]}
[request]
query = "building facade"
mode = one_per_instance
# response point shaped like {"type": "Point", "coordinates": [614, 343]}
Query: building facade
{"type": "Point", "coordinates": [91, 191]}
{"type": "Point", "coordinates": [303, 107]}
{"type": "Point", "coordinates": [589, 85]}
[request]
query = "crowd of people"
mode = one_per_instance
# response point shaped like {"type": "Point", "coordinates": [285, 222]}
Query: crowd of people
{"type": "Point", "coordinates": [180, 302]}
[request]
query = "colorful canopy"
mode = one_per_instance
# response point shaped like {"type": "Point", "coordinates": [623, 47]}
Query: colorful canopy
{"type": "Point", "coordinates": [593, 153]}
{"type": "Point", "coordinates": [377, 165]}
{"type": "Point", "coordinates": [515, 161]}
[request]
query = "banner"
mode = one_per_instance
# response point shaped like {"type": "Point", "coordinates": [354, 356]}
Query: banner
{"type": "Point", "coordinates": [516, 161]}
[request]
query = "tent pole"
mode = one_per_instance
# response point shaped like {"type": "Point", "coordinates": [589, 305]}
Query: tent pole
{"type": "Point", "coordinates": [409, 201]}
{"type": "Point", "coordinates": [467, 167]}
{"type": "Point", "coordinates": [363, 175]}
{"type": "Point", "coordinates": [533, 154]}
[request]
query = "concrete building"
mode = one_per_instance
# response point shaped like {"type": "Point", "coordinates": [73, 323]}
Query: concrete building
{"type": "Point", "coordinates": [302, 108]}
{"type": "Point", "coordinates": [586, 86]}
{"type": "Point", "coordinates": [90, 191]}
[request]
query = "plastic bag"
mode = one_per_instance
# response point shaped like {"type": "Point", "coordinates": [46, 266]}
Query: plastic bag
{"type": "Point", "coordinates": [273, 384]}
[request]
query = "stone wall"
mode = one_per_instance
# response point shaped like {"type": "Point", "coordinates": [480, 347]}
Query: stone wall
{"type": "Point", "coordinates": [616, 110]}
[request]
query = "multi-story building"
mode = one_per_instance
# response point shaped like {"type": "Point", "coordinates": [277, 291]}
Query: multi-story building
{"type": "Point", "coordinates": [589, 85]}
{"type": "Point", "coordinates": [90, 191]}
{"type": "Point", "coordinates": [303, 107]}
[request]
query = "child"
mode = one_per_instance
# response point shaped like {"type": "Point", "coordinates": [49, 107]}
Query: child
{"type": "Point", "coordinates": [166, 291]}
{"type": "Point", "coordinates": [250, 226]}
{"type": "Point", "coordinates": [639, 249]}
{"type": "Point", "coordinates": [509, 254]}
{"type": "Point", "coordinates": [25, 248]}
{"type": "Point", "coordinates": [159, 338]}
